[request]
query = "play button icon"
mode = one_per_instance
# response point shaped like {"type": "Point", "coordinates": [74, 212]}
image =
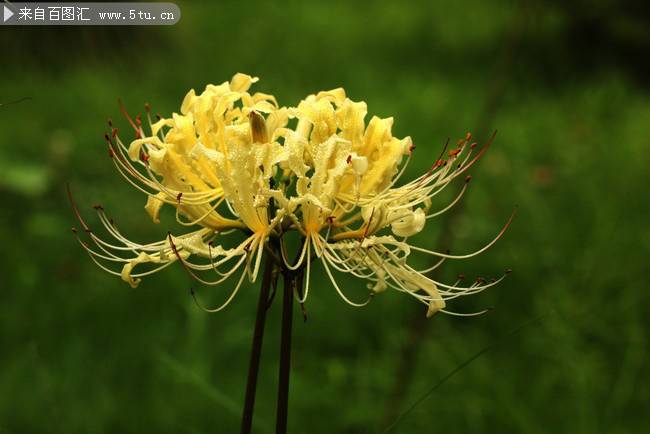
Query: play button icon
{"type": "Point", "coordinates": [7, 13]}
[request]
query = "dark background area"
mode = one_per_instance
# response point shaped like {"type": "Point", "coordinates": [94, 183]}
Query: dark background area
{"type": "Point", "coordinates": [566, 86]}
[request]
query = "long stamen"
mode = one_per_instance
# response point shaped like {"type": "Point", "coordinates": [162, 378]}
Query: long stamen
{"type": "Point", "coordinates": [478, 252]}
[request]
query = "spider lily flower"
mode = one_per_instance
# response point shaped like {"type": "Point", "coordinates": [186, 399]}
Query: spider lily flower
{"type": "Point", "coordinates": [236, 161]}
{"type": "Point", "coordinates": [349, 209]}
{"type": "Point", "coordinates": [208, 161]}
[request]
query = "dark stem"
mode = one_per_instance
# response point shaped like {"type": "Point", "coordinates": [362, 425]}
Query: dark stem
{"type": "Point", "coordinates": [285, 353]}
{"type": "Point", "coordinates": [256, 351]}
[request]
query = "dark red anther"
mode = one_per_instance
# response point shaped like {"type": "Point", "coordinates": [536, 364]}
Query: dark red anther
{"type": "Point", "coordinates": [349, 160]}
{"type": "Point", "coordinates": [138, 120]}
{"type": "Point", "coordinates": [144, 157]}
{"type": "Point", "coordinates": [158, 117]}
{"type": "Point", "coordinates": [468, 136]}
{"type": "Point", "coordinates": [468, 178]}
{"type": "Point", "coordinates": [147, 107]}
{"type": "Point", "coordinates": [114, 132]}
{"type": "Point", "coordinates": [178, 197]}
{"type": "Point", "coordinates": [74, 230]}
{"type": "Point", "coordinates": [412, 147]}
{"type": "Point", "coordinates": [98, 207]}
{"type": "Point", "coordinates": [508, 270]}
{"type": "Point", "coordinates": [480, 280]}
{"type": "Point", "coordinates": [461, 276]}
{"type": "Point", "coordinates": [437, 164]}
{"type": "Point", "coordinates": [107, 138]}
{"type": "Point", "coordinates": [473, 145]}
{"type": "Point", "coordinates": [110, 122]}
{"type": "Point", "coordinates": [454, 152]}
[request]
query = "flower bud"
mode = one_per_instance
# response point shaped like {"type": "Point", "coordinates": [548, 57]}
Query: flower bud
{"type": "Point", "coordinates": [258, 127]}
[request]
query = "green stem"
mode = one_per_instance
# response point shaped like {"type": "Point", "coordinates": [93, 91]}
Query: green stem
{"type": "Point", "coordinates": [256, 351]}
{"type": "Point", "coordinates": [285, 353]}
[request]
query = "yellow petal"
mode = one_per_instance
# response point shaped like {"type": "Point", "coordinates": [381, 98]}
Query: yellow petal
{"type": "Point", "coordinates": [242, 82]}
{"type": "Point", "coordinates": [128, 268]}
{"type": "Point", "coordinates": [153, 205]}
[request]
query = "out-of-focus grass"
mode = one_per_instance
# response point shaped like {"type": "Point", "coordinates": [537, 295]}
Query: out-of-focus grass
{"type": "Point", "coordinates": [82, 352]}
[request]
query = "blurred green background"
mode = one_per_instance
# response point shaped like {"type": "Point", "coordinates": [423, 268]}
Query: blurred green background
{"type": "Point", "coordinates": [565, 85]}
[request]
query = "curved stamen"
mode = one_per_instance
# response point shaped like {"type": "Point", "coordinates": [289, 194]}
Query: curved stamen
{"type": "Point", "coordinates": [469, 255]}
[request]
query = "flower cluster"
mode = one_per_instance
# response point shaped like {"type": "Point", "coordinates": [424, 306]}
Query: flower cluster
{"type": "Point", "coordinates": [233, 160]}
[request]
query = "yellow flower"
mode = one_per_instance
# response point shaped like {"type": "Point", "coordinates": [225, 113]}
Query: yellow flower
{"type": "Point", "coordinates": [236, 161]}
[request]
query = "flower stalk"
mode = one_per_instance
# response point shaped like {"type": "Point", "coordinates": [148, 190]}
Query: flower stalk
{"type": "Point", "coordinates": [290, 283]}
{"type": "Point", "coordinates": [256, 350]}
